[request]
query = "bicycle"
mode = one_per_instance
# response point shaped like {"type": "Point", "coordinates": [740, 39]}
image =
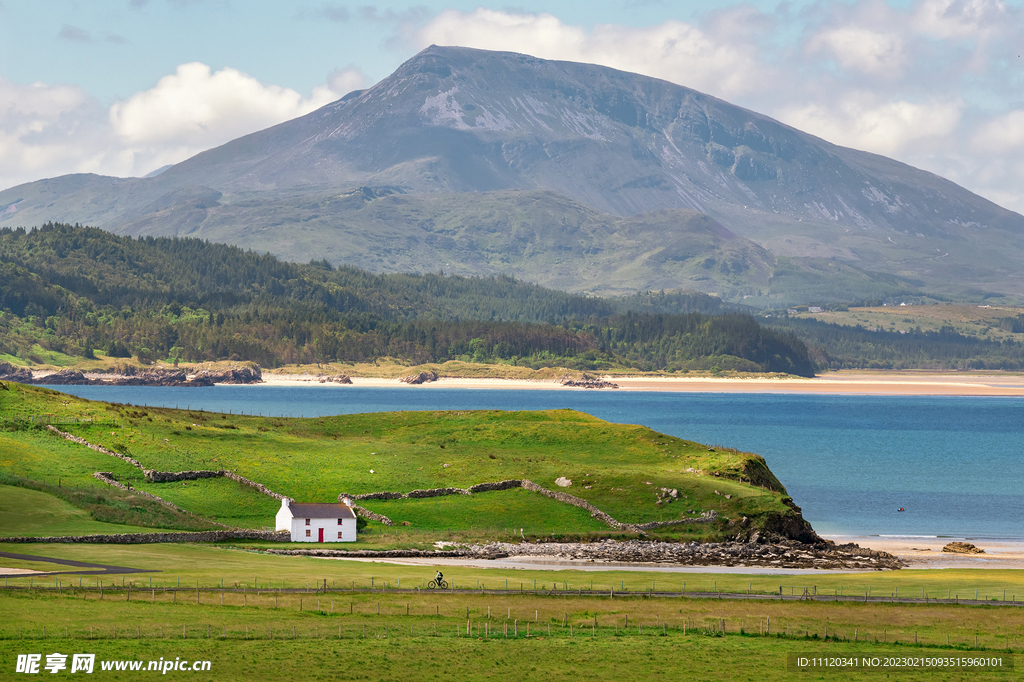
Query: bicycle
{"type": "Point", "coordinates": [442, 584]}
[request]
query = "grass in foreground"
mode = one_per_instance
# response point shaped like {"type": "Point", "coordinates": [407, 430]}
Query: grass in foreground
{"type": "Point", "coordinates": [391, 635]}
{"type": "Point", "coordinates": [228, 564]}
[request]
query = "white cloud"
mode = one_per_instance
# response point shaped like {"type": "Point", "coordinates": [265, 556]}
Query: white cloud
{"type": "Point", "coordinates": [871, 52]}
{"type": "Point", "coordinates": [49, 130]}
{"type": "Point", "coordinates": [884, 127]}
{"type": "Point", "coordinates": [960, 18]}
{"type": "Point", "coordinates": [343, 81]}
{"type": "Point", "coordinates": [42, 126]}
{"type": "Point", "coordinates": [1001, 135]}
{"type": "Point", "coordinates": [673, 50]}
{"type": "Point", "coordinates": [201, 108]}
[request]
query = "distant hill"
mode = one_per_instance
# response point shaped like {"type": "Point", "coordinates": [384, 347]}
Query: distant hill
{"type": "Point", "coordinates": [572, 175]}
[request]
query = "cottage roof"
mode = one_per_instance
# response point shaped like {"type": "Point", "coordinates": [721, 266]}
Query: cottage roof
{"type": "Point", "coordinates": [335, 510]}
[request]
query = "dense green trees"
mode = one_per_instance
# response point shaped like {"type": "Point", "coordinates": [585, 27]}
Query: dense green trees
{"type": "Point", "coordinates": [73, 289]}
{"type": "Point", "coordinates": [840, 347]}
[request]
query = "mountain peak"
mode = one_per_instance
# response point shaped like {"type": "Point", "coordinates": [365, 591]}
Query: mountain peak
{"type": "Point", "coordinates": [457, 120]}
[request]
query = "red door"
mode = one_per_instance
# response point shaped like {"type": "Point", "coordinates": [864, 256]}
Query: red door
{"type": "Point", "coordinates": [321, 535]}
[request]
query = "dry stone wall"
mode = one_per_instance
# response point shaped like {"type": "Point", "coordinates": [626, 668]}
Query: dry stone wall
{"type": "Point", "coordinates": [706, 517]}
{"type": "Point", "coordinates": [576, 502]}
{"type": "Point", "coordinates": [98, 448]}
{"type": "Point", "coordinates": [173, 476]}
{"type": "Point", "coordinates": [146, 538]}
{"type": "Point", "coordinates": [154, 476]}
{"type": "Point", "coordinates": [161, 476]}
{"type": "Point", "coordinates": [373, 516]}
{"type": "Point", "coordinates": [254, 485]}
{"type": "Point", "coordinates": [504, 485]}
{"type": "Point", "coordinates": [496, 485]}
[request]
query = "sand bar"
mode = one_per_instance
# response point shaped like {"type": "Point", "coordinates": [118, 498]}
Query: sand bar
{"type": "Point", "coordinates": [837, 383]}
{"type": "Point", "coordinates": [926, 552]}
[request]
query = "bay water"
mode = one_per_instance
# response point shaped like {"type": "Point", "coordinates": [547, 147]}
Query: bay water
{"type": "Point", "coordinates": [955, 464]}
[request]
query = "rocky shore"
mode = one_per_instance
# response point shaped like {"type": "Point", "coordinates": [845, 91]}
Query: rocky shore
{"type": "Point", "coordinates": [586, 381]}
{"type": "Point", "coordinates": [130, 376]}
{"type": "Point", "coordinates": [778, 554]}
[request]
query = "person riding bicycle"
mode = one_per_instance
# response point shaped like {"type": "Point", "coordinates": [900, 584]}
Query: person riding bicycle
{"type": "Point", "coordinates": [439, 577]}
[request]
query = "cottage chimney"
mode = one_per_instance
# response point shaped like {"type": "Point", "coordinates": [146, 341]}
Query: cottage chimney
{"type": "Point", "coordinates": [285, 502]}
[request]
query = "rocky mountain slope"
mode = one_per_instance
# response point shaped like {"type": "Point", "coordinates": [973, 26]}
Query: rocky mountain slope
{"type": "Point", "coordinates": [485, 162]}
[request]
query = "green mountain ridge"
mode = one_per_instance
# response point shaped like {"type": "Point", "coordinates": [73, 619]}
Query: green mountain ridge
{"type": "Point", "coordinates": [73, 290]}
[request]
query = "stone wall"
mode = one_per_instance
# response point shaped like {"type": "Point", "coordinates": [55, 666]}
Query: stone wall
{"type": "Point", "coordinates": [576, 502]}
{"type": "Point", "coordinates": [374, 496]}
{"type": "Point", "coordinates": [253, 484]}
{"type": "Point", "coordinates": [487, 487]}
{"type": "Point", "coordinates": [496, 485]}
{"type": "Point", "coordinates": [154, 476]}
{"type": "Point", "coordinates": [437, 492]}
{"type": "Point", "coordinates": [98, 448]}
{"type": "Point", "coordinates": [706, 517]}
{"type": "Point", "coordinates": [173, 476]}
{"type": "Point", "coordinates": [373, 516]}
{"type": "Point", "coordinates": [108, 478]}
{"type": "Point", "coordinates": [145, 538]}
{"type": "Point", "coordinates": [160, 476]}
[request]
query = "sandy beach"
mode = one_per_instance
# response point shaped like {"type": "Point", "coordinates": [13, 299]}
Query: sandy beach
{"type": "Point", "coordinates": [926, 552]}
{"type": "Point", "coordinates": [838, 383]}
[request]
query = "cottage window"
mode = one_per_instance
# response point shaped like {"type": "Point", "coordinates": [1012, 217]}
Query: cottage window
{"type": "Point", "coordinates": [339, 521]}
{"type": "Point", "coordinates": [308, 532]}
{"type": "Point", "coordinates": [339, 534]}
{"type": "Point", "coordinates": [307, 522]}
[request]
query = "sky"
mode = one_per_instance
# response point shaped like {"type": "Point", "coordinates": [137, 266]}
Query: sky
{"type": "Point", "coordinates": [124, 87]}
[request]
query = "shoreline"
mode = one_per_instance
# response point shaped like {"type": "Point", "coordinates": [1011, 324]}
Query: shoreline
{"type": "Point", "coordinates": [834, 383]}
{"type": "Point", "coordinates": [924, 552]}
{"type": "Point", "coordinates": [844, 382]}
{"type": "Point", "coordinates": [917, 553]}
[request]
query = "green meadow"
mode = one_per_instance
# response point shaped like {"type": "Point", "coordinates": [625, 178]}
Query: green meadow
{"type": "Point", "coordinates": [269, 614]}
{"type": "Point", "coordinates": [30, 512]}
{"type": "Point", "coordinates": [268, 617]}
{"type": "Point", "coordinates": [620, 469]}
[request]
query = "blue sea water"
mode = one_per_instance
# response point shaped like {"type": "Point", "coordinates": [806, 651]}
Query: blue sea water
{"type": "Point", "coordinates": [956, 464]}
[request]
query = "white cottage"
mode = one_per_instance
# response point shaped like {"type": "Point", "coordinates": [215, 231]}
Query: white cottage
{"type": "Point", "coordinates": [317, 522]}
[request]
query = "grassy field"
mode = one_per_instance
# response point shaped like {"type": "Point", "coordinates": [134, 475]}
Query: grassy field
{"type": "Point", "coordinates": [29, 512]}
{"type": "Point", "coordinates": [240, 563]}
{"type": "Point", "coordinates": [618, 468]}
{"type": "Point", "coordinates": [374, 621]}
{"type": "Point", "coordinates": [390, 652]}
{"type": "Point", "coordinates": [969, 320]}
{"type": "Point", "coordinates": [389, 634]}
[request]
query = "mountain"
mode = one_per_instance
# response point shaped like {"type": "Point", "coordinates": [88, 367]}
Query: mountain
{"type": "Point", "coordinates": [571, 175]}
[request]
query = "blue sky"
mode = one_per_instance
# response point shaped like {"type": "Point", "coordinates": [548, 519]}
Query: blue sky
{"type": "Point", "coordinates": [122, 87]}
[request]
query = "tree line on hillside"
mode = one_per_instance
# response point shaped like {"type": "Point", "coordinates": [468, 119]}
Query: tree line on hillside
{"type": "Point", "coordinates": [74, 290]}
{"type": "Point", "coordinates": [835, 346]}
